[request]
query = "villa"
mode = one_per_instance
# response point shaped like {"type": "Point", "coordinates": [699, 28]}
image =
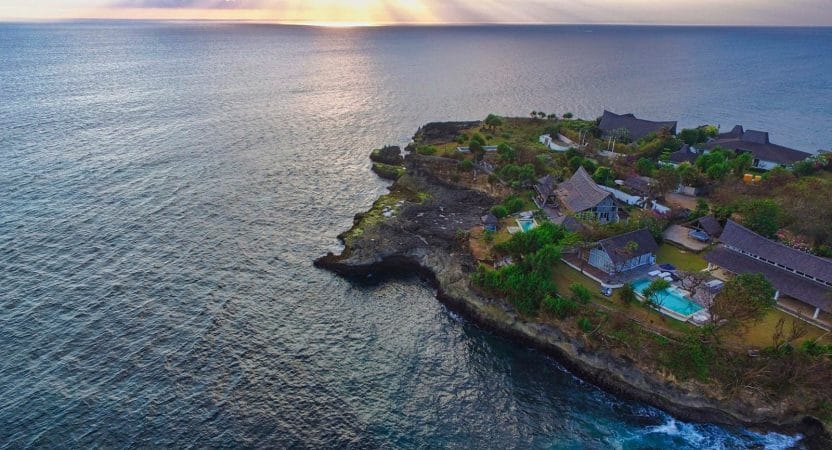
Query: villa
{"type": "Point", "coordinates": [803, 281]}
{"type": "Point", "coordinates": [582, 197]}
{"type": "Point", "coordinates": [490, 222]}
{"type": "Point", "coordinates": [766, 155]}
{"type": "Point", "coordinates": [686, 154]}
{"type": "Point", "coordinates": [636, 128]}
{"type": "Point", "coordinates": [625, 252]}
{"type": "Point", "coordinates": [545, 188]}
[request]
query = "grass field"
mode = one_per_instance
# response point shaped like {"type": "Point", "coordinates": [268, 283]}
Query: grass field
{"type": "Point", "coordinates": [682, 259]}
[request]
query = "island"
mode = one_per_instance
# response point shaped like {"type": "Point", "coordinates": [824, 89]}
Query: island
{"type": "Point", "coordinates": [685, 270]}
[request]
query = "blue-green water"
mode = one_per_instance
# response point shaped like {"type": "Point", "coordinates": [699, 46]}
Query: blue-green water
{"type": "Point", "coordinates": [671, 299]}
{"type": "Point", "coordinates": [165, 187]}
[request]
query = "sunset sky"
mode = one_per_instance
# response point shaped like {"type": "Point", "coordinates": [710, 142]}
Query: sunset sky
{"type": "Point", "coordinates": [720, 12]}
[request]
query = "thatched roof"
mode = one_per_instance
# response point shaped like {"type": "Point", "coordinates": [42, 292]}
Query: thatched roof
{"type": "Point", "coordinates": [580, 192]}
{"type": "Point", "coordinates": [616, 246]}
{"type": "Point", "coordinates": [638, 128]}
{"type": "Point", "coordinates": [490, 219]}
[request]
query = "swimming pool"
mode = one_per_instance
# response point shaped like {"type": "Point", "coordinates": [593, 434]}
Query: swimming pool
{"type": "Point", "coordinates": [527, 224]}
{"type": "Point", "coordinates": [671, 299]}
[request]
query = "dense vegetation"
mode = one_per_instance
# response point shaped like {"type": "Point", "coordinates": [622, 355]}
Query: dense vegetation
{"type": "Point", "coordinates": [527, 281]}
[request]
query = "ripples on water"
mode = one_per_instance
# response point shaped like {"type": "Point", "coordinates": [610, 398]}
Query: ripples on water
{"type": "Point", "coordinates": [164, 189]}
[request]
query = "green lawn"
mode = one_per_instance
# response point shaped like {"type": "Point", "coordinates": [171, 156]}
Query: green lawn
{"type": "Point", "coordinates": [682, 259]}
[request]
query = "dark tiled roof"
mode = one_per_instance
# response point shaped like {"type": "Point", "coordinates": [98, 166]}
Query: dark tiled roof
{"type": "Point", "coordinates": [545, 185]}
{"type": "Point", "coordinates": [490, 219]}
{"type": "Point", "coordinates": [735, 235]}
{"type": "Point", "coordinates": [569, 222]}
{"type": "Point", "coordinates": [787, 283]}
{"type": "Point", "coordinates": [758, 144]}
{"type": "Point", "coordinates": [638, 128]}
{"type": "Point", "coordinates": [580, 192]}
{"type": "Point", "coordinates": [735, 133]}
{"type": "Point", "coordinates": [615, 246]}
{"type": "Point", "coordinates": [710, 225]}
{"type": "Point", "coordinates": [684, 154]}
{"type": "Point", "coordinates": [640, 184]}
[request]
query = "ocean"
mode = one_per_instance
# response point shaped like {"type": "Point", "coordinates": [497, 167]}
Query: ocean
{"type": "Point", "coordinates": [164, 188]}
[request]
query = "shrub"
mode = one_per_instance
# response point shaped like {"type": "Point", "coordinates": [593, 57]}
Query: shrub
{"type": "Point", "coordinates": [465, 165]}
{"type": "Point", "coordinates": [585, 324]}
{"type": "Point", "coordinates": [580, 293]}
{"type": "Point", "coordinates": [500, 211]}
{"type": "Point", "coordinates": [478, 138]}
{"type": "Point", "coordinates": [627, 293]}
{"type": "Point", "coordinates": [645, 167]}
{"type": "Point", "coordinates": [513, 204]}
{"type": "Point", "coordinates": [762, 216]}
{"type": "Point", "coordinates": [691, 359]}
{"type": "Point", "coordinates": [488, 236]}
{"type": "Point", "coordinates": [426, 150]}
{"type": "Point", "coordinates": [559, 306]}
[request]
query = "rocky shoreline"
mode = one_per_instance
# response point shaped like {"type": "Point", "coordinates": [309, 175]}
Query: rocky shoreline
{"type": "Point", "coordinates": [424, 235]}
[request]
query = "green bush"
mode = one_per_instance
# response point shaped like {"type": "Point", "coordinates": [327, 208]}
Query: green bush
{"type": "Point", "coordinates": [585, 324]}
{"type": "Point", "coordinates": [500, 211]}
{"type": "Point", "coordinates": [580, 293]}
{"type": "Point", "coordinates": [513, 204]}
{"type": "Point", "coordinates": [627, 293]}
{"type": "Point", "coordinates": [465, 165]}
{"type": "Point", "coordinates": [426, 150]}
{"type": "Point", "coordinates": [692, 358]}
{"type": "Point", "coordinates": [559, 306]}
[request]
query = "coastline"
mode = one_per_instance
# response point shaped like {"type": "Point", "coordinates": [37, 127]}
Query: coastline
{"type": "Point", "coordinates": [420, 238]}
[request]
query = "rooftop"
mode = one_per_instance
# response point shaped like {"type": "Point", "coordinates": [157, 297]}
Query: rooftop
{"type": "Point", "coordinates": [736, 236]}
{"type": "Point", "coordinates": [580, 192]}
{"type": "Point", "coordinates": [757, 143]}
{"type": "Point", "coordinates": [787, 283]}
{"type": "Point", "coordinates": [616, 246]}
{"type": "Point", "coordinates": [638, 128]}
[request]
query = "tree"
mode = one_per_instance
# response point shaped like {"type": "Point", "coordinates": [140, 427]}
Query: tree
{"type": "Point", "coordinates": [499, 211]}
{"type": "Point", "coordinates": [604, 176]}
{"type": "Point", "coordinates": [465, 165]}
{"type": "Point", "coordinates": [742, 163]}
{"type": "Point", "coordinates": [702, 208]}
{"type": "Point", "coordinates": [541, 115]}
{"type": "Point", "coordinates": [551, 116]}
{"type": "Point", "coordinates": [667, 179]}
{"type": "Point", "coordinates": [745, 297]}
{"type": "Point", "coordinates": [568, 115]}
{"type": "Point", "coordinates": [533, 114]}
{"type": "Point", "coordinates": [645, 167]}
{"type": "Point", "coordinates": [656, 293]}
{"type": "Point", "coordinates": [493, 122]}
{"type": "Point", "coordinates": [475, 146]}
{"type": "Point", "coordinates": [627, 293]}
{"type": "Point", "coordinates": [689, 136]}
{"type": "Point", "coordinates": [507, 154]}
{"type": "Point", "coordinates": [761, 215]}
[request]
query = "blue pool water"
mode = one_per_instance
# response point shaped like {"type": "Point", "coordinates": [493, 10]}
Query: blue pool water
{"type": "Point", "coordinates": [671, 299]}
{"type": "Point", "coordinates": [526, 225]}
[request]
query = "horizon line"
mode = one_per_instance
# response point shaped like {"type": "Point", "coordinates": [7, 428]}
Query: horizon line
{"type": "Point", "coordinates": [349, 24]}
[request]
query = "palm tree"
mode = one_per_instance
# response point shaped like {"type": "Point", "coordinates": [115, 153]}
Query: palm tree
{"type": "Point", "coordinates": [533, 114]}
{"type": "Point", "coordinates": [541, 114]}
{"type": "Point", "coordinates": [552, 116]}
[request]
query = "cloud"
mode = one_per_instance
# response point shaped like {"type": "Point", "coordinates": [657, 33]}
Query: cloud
{"type": "Point", "coordinates": [189, 4]}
